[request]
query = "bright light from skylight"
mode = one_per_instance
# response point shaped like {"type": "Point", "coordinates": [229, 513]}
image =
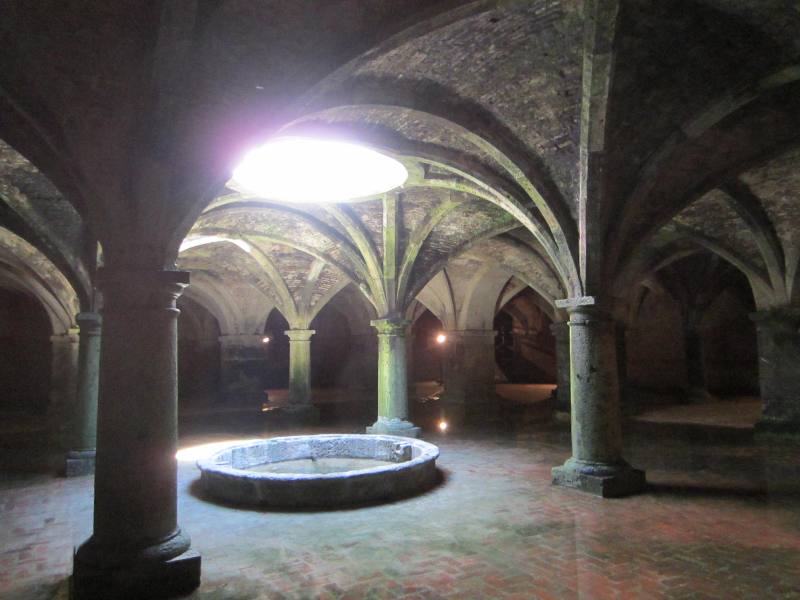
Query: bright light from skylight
{"type": "Point", "coordinates": [202, 240]}
{"type": "Point", "coordinates": [296, 169]}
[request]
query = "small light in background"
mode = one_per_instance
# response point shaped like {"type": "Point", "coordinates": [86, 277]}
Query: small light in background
{"type": "Point", "coordinates": [265, 340]}
{"type": "Point", "coordinates": [442, 425]}
{"type": "Point", "coordinates": [441, 338]}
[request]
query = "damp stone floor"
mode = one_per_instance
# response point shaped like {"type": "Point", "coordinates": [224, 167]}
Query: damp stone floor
{"type": "Point", "coordinates": [721, 520]}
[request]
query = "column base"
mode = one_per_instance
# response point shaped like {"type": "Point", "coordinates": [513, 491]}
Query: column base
{"type": "Point", "coordinates": [607, 481]}
{"type": "Point", "coordinates": [301, 414]}
{"type": "Point", "coordinates": [144, 579]}
{"type": "Point", "coordinates": [384, 426]}
{"type": "Point", "coordinates": [79, 463]}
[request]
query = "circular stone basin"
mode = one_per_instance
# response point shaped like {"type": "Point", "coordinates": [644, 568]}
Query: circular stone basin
{"type": "Point", "coordinates": [320, 470]}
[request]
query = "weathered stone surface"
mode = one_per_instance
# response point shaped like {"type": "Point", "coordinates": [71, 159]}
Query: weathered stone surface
{"type": "Point", "coordinates": [596, 465]}
{"type": "Point", "coordinates": [227, 475]}
{"type": "Point", "coordinates": [779, 370]}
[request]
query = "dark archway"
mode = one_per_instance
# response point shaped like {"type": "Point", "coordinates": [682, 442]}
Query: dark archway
{"type": "Point", "coordinates": [427, 356]}
{"type": "Point", "coordinates": [25, 354]}
{"type": "Point", "coordinates": [525, 346]}
{"type": "Point", "coordinates": [330, 349]}
{"type": "Point", "coordinates": [198, 354]}
{"type": "Point", "coordinates": [276, 374]}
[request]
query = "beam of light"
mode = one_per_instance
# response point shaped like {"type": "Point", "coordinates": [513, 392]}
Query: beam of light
{"type": "Point", "coordinates": [296, 169]}
{"type": "Point", "coordinates": [195, 453]}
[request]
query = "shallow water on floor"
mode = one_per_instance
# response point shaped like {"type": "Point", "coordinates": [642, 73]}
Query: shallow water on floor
{"type": "Point", "coordinates": [320, 465]}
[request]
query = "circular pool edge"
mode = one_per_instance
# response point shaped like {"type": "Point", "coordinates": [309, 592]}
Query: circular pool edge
{"type": "Point", "coordinates": [225, 475]}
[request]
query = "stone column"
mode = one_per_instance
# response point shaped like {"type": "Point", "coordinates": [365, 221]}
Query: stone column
{"type": "Point", "coordinates": [778, 333]}
{"type": "Point", "coordinates": [468, 396]}
{"type": "Point", "coordinates": [392, 380]}
{"type": "Point", "coordinates": [300, 406]}
{"type": "Point", "coordinates": [137, 549]}
{"type": "Point", "coordinates": [695, 365]}
{"type": "Point", "coordinates": [82, 436]}
{"type": "Point", "coordinates": [560, 331]}
{"type": "Point", "coordinates": [63, 380]}
{"type": "Point", "coordinates": [596, 465]}
{"type": "Point", "coordinates": [242, 364]}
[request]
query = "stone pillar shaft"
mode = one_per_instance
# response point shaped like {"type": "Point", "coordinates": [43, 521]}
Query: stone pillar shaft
{"type": "Point", "coordinates": [779, 370]}
{"type": "Point", "coordinates": [596, 465]}
{"type": "Point", "coordinates": [83, 424]}
{"type": "Point", "coordinates": [63, 381]}
{"type": "Point", "coordinates": [392, 380]}
{"type": "Point", "coordinates": [137, 548]}
{"type": "Point", "coordinates": [300, 365]}
{"type": "Point", "coordinates": [560, 331]}
{"type": "Point", "coordinates": [596, 427]}
{"type": "Point", "coordinates": [300, 408]}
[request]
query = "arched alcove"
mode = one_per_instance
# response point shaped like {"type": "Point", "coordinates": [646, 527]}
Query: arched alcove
{"type": "Point", "coordinates": [427, 354]}
{"type": "Point", "coordinates": [330, 348]}
{"type": "Point", "coordinates": [198, 354]}
{"type": "Point", "coordinates": [524, 345]}
{"type": "Point", "coordinates": [25, 354]}
{"type": "Point", "coordinates": [276, 371]}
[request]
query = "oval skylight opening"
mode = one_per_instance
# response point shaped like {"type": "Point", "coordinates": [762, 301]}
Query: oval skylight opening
{"type": "Point", "coordinates": [297, 169]}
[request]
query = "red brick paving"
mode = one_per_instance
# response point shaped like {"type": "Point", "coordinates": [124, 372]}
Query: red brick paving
{"type": "Point", "coordinates": [711, 527]}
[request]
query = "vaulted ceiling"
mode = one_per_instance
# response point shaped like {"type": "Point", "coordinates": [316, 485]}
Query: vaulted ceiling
{"type": "Point", "coordinates": [122, 123]}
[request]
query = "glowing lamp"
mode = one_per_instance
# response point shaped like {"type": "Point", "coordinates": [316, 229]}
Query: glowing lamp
{"type": "Point", "coordinates": [441, 338]}
{"type": "Point", "coordinates": [297, 169]}
{"type": "Point", "coordinates": [442, 425]}
{"type": "Point", "coordinates": [265, 340]}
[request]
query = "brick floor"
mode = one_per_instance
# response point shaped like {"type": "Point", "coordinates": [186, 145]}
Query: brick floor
{"type": "Point", "coordinates": [721, 520]}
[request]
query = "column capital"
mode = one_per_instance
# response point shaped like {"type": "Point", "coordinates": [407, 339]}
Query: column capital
{"type": "Point", "coordinates": [588, 314]}
{"type": "Point", "coordinates": [300, 335]}
{"type": "Point", "coordinates": [68, 337]}
{"type": "Point", "coordinates": [89, 323]}
{"type": "Point", "coordinates": [133, 289]}
{"type": "Point", "coordinates": [391, 326]}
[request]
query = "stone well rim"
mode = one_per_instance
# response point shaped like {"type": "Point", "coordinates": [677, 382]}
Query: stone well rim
{"type": "Point", "coordinates": [428, 452]}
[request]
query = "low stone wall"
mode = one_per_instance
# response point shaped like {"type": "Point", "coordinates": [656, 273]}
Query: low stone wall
{"type": "Point", "coordinates": [225, 475]}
